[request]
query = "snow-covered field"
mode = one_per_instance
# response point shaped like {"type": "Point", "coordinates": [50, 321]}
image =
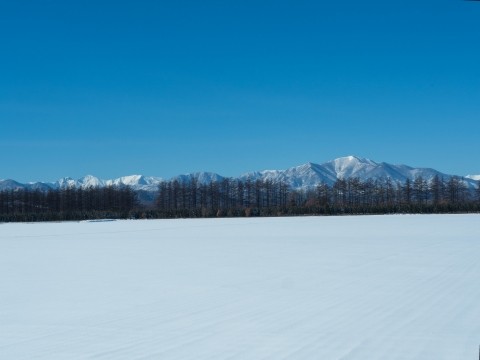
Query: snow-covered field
{"type": "Point", "coordinates": [369, 287]}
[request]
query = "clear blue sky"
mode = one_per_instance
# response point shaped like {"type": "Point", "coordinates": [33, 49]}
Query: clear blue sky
{"type": "Point", "coordinates": [113, 88]}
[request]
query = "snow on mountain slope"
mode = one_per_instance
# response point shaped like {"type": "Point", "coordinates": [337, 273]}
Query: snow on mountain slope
{"type": "Point", "coordinates": [90, 181]}
{"type": "Point", "coordinates": [39, 186]}
{"type": "Point", "coordinates": [305, 176]}
{"type": "Point", "coordinates": [66, 182]}
{"type": "Point", "coordinates": [309, 175]}
{"type": "Point", "coordinates": [138, 182]}
{"type": "Point", "coordinates": [200, 177]}
{"type": "Point", "coordinates": [9, 184]}
{"type": "Point", "coordinates": [351, 166]}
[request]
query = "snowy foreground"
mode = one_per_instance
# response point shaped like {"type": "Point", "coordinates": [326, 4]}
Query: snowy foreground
{"type": "Point", "coordinates": [366, 287]}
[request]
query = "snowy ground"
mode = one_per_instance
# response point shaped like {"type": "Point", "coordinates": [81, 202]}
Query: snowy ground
{"type": "Point", "coordinates": [328, 288]}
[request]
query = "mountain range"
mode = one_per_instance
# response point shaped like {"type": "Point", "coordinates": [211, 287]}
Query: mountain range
{"type": "Point", "coordinates": [305, 176]}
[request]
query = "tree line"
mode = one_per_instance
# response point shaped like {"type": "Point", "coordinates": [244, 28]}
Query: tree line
{"type": "Point", "coordinates": [228, 197]}
{"type": "Point", "coordinates": [67, 204]}
{"type": "Point", "coordinates": [234, 198]}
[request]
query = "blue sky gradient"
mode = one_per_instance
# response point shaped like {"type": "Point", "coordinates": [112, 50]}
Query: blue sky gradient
{"type": "Point", "coordinates": [160, 88]}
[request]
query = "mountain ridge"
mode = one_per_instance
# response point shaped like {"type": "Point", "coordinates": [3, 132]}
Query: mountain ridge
{"type": "Point", "coordinates": [305, 176]}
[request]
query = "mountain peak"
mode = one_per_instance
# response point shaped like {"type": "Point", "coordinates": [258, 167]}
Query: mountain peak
{"type": "Point", "coordinates": [350, 166]}
{"type": "Point", "coordinates": [351, 159]}
{"type": "Point", "coordinates": [131, 180]}
{"type": "Point", "coordinates": [9, 184]}
{"type": "Point", "coordinates": [306, 176]}
{"type": "Point", "coordinates": [90, 181]}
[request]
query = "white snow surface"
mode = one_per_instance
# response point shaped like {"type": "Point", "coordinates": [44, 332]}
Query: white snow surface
{"type": "Point", "coordinates": [365, 287]}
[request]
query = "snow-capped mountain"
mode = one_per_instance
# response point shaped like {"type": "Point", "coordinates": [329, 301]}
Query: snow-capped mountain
{"type": "Point", "coordinates": [9, 184]}
{"type": "Point", "coordinates": [138, 182]}
{"type": "Point", "coordinates": [200, 177]}
{"type": "Point", "coordinates": [305, 176]}
{"type": "Point", "coordinates": [309, 175]}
